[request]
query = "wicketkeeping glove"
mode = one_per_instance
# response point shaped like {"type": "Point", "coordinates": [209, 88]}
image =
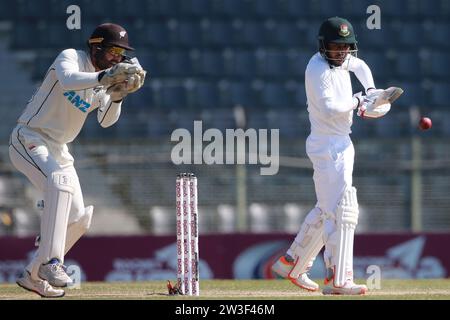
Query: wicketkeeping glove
{"type": "Point", "coordinates": [118, 73]}
{"type": "Point", "coordinates": [136, 81]}
{"type": "Point", "coordinates": [117, 91]}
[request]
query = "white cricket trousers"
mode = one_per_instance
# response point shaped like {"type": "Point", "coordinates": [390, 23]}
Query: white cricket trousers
{"type": "Point", "coordinates": [38, 157]}
{"type": "Point", "coordinates": [332, 157]}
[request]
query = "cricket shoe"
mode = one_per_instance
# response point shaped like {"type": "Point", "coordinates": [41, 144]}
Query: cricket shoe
{"type": "Point", "coordinates": [349, 288]}
{"type": "Point", "coordinates": [283, 267]}
{"type": "Point", "coordinates": [54, 273]}
{"type": "Point", "coordinates": [41, 287]}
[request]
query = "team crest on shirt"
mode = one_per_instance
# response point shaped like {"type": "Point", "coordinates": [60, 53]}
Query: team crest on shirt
{"type": "Point", "coordinates": [343, 30]}
{"type": "Point", "coordinates": [76, 100]}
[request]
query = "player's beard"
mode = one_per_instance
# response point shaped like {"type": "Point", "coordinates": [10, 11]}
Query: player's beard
{"type": "Point", "coordinates": [103, 64]}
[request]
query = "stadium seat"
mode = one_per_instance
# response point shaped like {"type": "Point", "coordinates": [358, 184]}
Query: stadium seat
{"type": "Point", "coordinates": [259, 218]}
{"type": "Point", "coordinates": [248, 33]}
{"type": "Point", "coordinates": [208, 63]}
{"type": "Point", "coordinates": [275, 95]}
{"type": "Point", "coordinates": [189, 33]}
{"type": "Point", "coordinates": [440, 94]}
{"type": "Point", "coordinates": [408, 65]}
{"type": "Point", "coordinates": [229, 8]}
{"type": "Point", "coordinates": [227, 218]}
{"type": "Point", "coordinates": [159, 8]}
{"type": "Point", "coordinates": [273, 64]}
{"type": "Point", "coordinates": [298, 61]}
{"type": "Point", "coordinates": [413, 94]}
{"type": "Point", "coordinates": [204, 95]}
{"type": "Point", "coordinates": [409, 34]}
{"type": "Point", "coordinates": [283, 33]}
{"type": "Point", "coordinates": [395, 125]}
{"type": "Point", "coordinates": [162, 220]}
{"type": "Point", "coordinates": [293, 216]}
{"type": "Point", "coordinates": [378, 63]}
{"type": "Point", "coordinates": [440, 64]}
{"type": "Point", "coordinates": [193, 8]}
{"type": "Point", "coordinates": [156, 35]}
{"type": "Point", "coordinates": [240, 63]}
{"type": "Point", "coordinates": [216, 33]}
{"type": "Point", "coordinates": [234, 93]}
{"type": "Point", "coordinates": [176, 63]}
{"type": "Point", "coordinates": [438, 34]}
{"type": "Point", "coordinates": [170, 94]}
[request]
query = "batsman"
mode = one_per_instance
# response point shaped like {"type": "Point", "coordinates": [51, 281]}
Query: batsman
{"type": "Point", "coordinates": [331, 104]}
{"type": "Point", "coordinates": [77, 83]}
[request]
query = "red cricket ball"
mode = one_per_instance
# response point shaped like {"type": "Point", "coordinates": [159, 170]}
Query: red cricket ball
{"type": "Point", "coordinates": [425, 123]}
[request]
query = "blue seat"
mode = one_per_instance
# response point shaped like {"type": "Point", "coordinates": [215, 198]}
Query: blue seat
{"type": "Point", "coordinates": [440, 64]}
{"type": "Point", "coordinates": [440, 94]}
{"type": "Point", "coordinates": [170, 95]}
{"type": "Point", "coordinates": [141, 100]}
{"type": "Point", "coordinates": [275, 95]}
{"type": "Point", "coordinates": [29, 9]}
{"type": "Point", "coordinates": [413, 94]}
{"type": "Point", "coordinates": [193, 8]}
{"type": "Point", "coordinates": [156, 35]}
{"type": "Point", "coordinates": [399, 8]}
{"type": "Point", "coordinates": [408, 65]}
{"type": "Point", "coordinates": [283, 33]}
{"type": "Point", "coordinates": [265, 8]}
{"type": "Point", "coordinates": [394, 125]}
{"type": "Point", "coordinates": [189, 33]}
{"type": "Point", "coordinates": [274, 64]}
{"type": "Point", "coordinates": [295, 8]}
{"type": "Point", "coordinates": [176, 63]}
{"type": "Point", "coordinates": [437, 34]}
{"type": "Point", "coordinates": [229, 8]}
{"type": "Point", "coordinates": [150, 62]}
{"type": "Point", "coordinates": [41, 65]}
{"type": "Point", "coordinates": [240, 63]}
{"type": "Point", "coordinates": [248, 33]}
{"type": "Point", "coordinates": [288, 121]}
{"type": "Point", "coordinates": [298, 60]}
{"type": "Point", "coordinates": [216, 33]}
{"type": "Point", "coordinates": [239, 93]}
{"type": "Point", "coordinates": [409, 34]}
{"type": "Point", "coordinates": [208, 63]}
{"type": "Point", "coordinates": [205, 95]}
{"type": "Point", "coordinates": [160, 8]}
{"type": "Point", "coordinates": [326, 8]}
{"type": "Point", "coordinates": [378, 64]}
{"type": "Point", "coordinates": [298, 90]}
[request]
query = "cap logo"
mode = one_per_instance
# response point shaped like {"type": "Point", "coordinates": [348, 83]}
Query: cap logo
{"type": "Point", "coordinates": [122, 33]}
{"type": "Point", "coordinates": [344, 30]}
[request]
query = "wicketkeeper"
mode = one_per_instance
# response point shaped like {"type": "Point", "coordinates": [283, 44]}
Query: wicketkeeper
{"type": "Point", "coordinates": [331, 102]}
{"type": "Point", "coordinates": [77, 83]}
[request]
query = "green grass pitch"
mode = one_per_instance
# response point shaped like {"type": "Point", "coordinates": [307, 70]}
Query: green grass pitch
{"type": "Point", "coordinates": [239, 289]}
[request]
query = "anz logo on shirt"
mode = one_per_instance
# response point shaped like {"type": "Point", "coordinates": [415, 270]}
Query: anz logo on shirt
{"type": "Point", "coordinates": [77, 101]}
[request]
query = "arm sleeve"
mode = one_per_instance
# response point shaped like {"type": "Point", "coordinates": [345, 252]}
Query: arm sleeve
{"type": "Point", "coordinates": [362, 72]}
{"type": "Point", "coordinates": [108, 112]}
{"type": "Point", "coordinates": [68, 72]}
{"type": "Point", "coordinates": [321, 90]}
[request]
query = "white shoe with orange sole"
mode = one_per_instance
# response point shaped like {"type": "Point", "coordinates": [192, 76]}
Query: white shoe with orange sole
{"type": "Point", "coordinates": [283, 268]}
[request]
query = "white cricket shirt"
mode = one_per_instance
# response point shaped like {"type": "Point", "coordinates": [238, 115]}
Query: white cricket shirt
{"type": "Point", "coordinates": [329, 93]}
{"type": "Point", "coordinates": [69, 92]}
